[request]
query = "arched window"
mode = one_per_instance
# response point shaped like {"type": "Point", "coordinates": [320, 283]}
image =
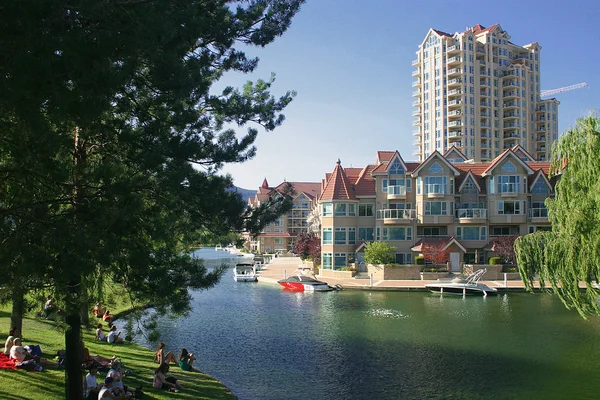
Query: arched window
{"type": "Point", "coordinates": [396, 168]}
{"type": "Point", "coordinates": [540, 187]}
{"type": "Point", "coordinates": [509, 167]}
{"type": "Point", "coordinates": [435, 168]}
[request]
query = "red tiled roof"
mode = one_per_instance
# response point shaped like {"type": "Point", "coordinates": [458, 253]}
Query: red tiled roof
{"type": "Point", "coordinates": [265, 184]}
{"type": "Point", "coordinates": [441, 33]}
{"type": "Point", "coordinates": [477, 29]}
{"type": "Point", "coordinates": [310, 189]}
{"type": "Point", "coordinates": [353, 174]}
{"type": "Point", "coordinates": [338, 186]}
{"type": "Point", "coordinates": [436, 241]}
{"type": "Point", "coordinates": [365, 185]}
{"type": "Point", "coordinates": [383, 156]}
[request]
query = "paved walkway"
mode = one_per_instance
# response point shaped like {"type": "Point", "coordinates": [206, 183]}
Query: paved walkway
{"type": "Point", "coordinates": [281, 267]}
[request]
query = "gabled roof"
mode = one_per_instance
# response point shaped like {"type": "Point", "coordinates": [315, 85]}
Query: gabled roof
{"type": "Point", "coordinates": [383, 156]}
{"type": "Point", "coordinates": [338, 186]}
{"type": "Point", "coordinates": [435, 154]}
{"type": "Point", "coordinates": [394, 157]}
{"type": "Point", "coordinates": [506, 154]}
{"type": "Point", "coordinates": [466, 178]}
{"type": "Point", "coordinates": [476, 169]}
{"type": "Point", "coordinates": [532, 179]}
{"type": "Point", "coordinates": [436, 32]}
{"type": "Point", "coordinates": [519, 149]}
{"type": "Point", "coordinates": [265, 184]}
{"type": "Point", "coordinates": [360, 246]}
{"type": "Point", "coordinates": [437, 241]}
{"type": "Point", "coordinates": [479, 29]}
{"type": "Point", "coordinates": [454, 150]}
{"type": "Point", "coordinates": [365, 184]}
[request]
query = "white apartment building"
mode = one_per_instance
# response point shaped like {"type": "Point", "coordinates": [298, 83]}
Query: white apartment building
{"type": "Point", "coordinates": [479, 92]}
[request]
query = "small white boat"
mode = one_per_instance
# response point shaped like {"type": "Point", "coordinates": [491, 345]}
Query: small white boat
{"type": "Point", "coordinates": [244, 272]}
{"type": "Point", "coordinates": [463, 286]}
{"type": "Point", "coordinates": [218, 247]}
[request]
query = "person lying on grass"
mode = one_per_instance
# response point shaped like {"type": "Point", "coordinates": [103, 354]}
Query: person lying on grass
{"type": "Point", "coordinates": [162, 381]}
{"type": "Point", "coordinates": [160, 356]}
{"type": "Point", "coordinates": [89, 360]}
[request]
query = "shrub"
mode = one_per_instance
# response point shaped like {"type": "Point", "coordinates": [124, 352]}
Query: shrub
{"type": "Point", "coordinates": [511, 269]}
{"type": "Point", "coordinates": [380, 253]}
{"type": "Point", "coordinates": [431, 270]}
{"type": "Point", "coordinates": [495, 260]}
{"type": "Point", "coordinates": [420, 260]}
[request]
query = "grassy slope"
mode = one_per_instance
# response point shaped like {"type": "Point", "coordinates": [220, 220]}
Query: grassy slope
{"type": "Point", "coordinates": [49, 384]}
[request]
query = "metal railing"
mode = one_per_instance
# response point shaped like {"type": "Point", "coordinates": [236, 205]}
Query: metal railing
{"type": "Point", "coordinates": [471, 213]}
{"type": "Point", "coordinates": [396, 214]}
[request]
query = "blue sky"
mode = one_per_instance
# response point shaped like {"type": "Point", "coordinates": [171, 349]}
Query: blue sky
{"type": "Point", "coordinates": [350, 62]}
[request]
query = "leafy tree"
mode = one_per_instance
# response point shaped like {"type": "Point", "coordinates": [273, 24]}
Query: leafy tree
{"type": "Point", "coordinates": [308, 245]}
{"type": "Point", "coordinates": [111, 141]}
{"type": "Point", "coordinates": [504, 247]}
{"type": "Point", "coordinates": [436, 253]}
{"type": "Point", "coordinates": [570, 253]}
{"type": "Point", "coordinates": [380, 253]}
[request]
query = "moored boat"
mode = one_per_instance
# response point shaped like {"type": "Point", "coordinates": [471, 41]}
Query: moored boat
{"type": "Point", "coordinates": [244, 272]}
{"type": "Point", "coordinates": [463, 286]}
{"type": "Point", "coordinates": [300, 282]}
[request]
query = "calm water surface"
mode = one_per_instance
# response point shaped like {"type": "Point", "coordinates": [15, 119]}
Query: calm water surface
{"type": "Point", "coordinates": [266, 343]}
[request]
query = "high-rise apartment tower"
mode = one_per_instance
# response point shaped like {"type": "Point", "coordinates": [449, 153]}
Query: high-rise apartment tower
{"type": "Point", "coordinates": [481, 93]}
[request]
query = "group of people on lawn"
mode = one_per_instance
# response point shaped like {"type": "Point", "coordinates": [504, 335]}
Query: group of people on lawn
{"type": "Point", "coordinates": [112, 387]}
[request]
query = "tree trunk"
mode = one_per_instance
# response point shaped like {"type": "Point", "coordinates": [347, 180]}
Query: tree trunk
{"type": "Point", "coordinates": [73, 344]}
{"type": "Point", "coordinates": [18, 307]}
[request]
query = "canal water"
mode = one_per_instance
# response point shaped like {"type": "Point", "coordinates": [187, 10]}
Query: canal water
{"type": "Point", "coordinates": [266, 343]}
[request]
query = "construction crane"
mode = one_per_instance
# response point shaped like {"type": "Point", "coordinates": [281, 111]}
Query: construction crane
{"type": "Point", "coordinates": [546, 93]}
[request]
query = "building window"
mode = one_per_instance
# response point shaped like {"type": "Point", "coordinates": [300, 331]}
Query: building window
{"type": "Point", "coordinates": [396, 168]}
{"type": "Point", "coordinates": [351, 235]}
{"type": "Point", "coordinates": [366, 210]}
{"type": "Point", "coordinates": [278, 240]}
{"type": "Point", "coordinates": [340, 210]}
{"type": "Point", "coordinates": [540, 187]}
{"type": "Point", "coordinates": [508, 167]}
{"type": "Point", "coordinates": [471, 232]}
{"type": "Point", "coordinates": [340, 260]}
{"type": "Point", "coordinates": [352, 210]}
{"type": "Point", "coordinates": [403, 258]}
{"type": "Point", "coordinates": [340, 235]}
{"type": "Point", "coordinates": [365, 234]}
{"type": "Point", "coordinates": [508, 183]}
{"type": "Point", "coordinates": [326, 261]}
{"type": "Point", "coordinates": [436, 208]}
{"type": "Point", "coordinates": [435, 168]}
{"type": "Point", "coordinates": [327, 236]}
{"type": "Point", "coordinates": [509, 207]}
{"type": "Point", "coordinates": [539, 210]}
{"type": "Point", "coordinates": [399, 233]}
{"type": "Point", "coordinates": [327, 210]}
{"type": "Point", "coordinates": [469, 187]}
{"type": "Point", "coordinates": [435, 184]}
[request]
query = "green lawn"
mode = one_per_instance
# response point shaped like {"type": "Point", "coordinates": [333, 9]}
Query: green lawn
{"type": "Point", "coordinates": [49, 384]}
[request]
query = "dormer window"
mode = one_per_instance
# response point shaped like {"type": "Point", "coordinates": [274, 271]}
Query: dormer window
{"type": "Point", "coordinates": [396, 168]}
{"type": "Point", "coordinates": [469, 187]}
{"type": "Point", "coordinates": [435, 168]}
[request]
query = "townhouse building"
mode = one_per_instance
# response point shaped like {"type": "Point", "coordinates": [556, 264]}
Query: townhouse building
{"type": "Point", "coordinates": [447, 200]}
{"type": "Point", "coordinates": [479, 92]}
{"type": "Point", "coordinates": [280, 235]}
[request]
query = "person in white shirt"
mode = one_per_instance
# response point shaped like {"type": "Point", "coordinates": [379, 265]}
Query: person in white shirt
{"type": "Point", "coordinates": [106, 390]}
{"type": "Point", "coordinates": [100, 334]}
{"type": "Point", "coordinates": [18, 352]}
{"type": "Point", "coordinates": [113, 336]}
{"type": "Point", "coordinates": [12, 334]}
{"type": "Point", "coordinates": [90, 386]}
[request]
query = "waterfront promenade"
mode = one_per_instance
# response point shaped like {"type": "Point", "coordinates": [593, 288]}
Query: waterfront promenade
{"type": "Point", "coordinates": [280, 267]}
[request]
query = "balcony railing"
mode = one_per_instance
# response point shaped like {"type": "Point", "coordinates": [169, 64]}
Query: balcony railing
{"type": "Point", "coordinates": [541, 212]}
{"type": "Point", "coordinates": [471, 213]}
{"type": "Point", "coordinates": [396, 214]}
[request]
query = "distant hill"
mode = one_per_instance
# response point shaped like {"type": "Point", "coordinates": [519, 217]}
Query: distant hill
{"type": "Point", "coordinates": [246, 193]}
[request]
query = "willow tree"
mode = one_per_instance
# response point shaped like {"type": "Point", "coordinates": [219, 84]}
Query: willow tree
{"type": "Point", "coordinates": [112, 139]}
{"type": "Point", "coordinates": [570, 253]}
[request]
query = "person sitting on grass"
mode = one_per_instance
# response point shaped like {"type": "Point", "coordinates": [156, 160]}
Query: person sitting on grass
{"type": "Point", "coordinates": [107, 390]}
{"type": "Point", "coordinates": [186, 360]}
{"type": "Point", "coordinates": [100, 334]}
{"type": "Point", "coordinates": [12, 334]}
{"type": "Point", "coordinates": [160, 356]}
{"type": "Point", "coordinates": [107, 317]}
{"type": "Point", "coordinates": [162, 381]}
{"type": "Point", "coordinates": [90, 384]}
{"type": "Point", "coordinates": [98, 310]}
{"type": "Point", "coordinates": [113, 336]}
{"type": "Point", "coordinates": [117, 372]}
{"type": "Point", "coordinates": [20, 354]}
